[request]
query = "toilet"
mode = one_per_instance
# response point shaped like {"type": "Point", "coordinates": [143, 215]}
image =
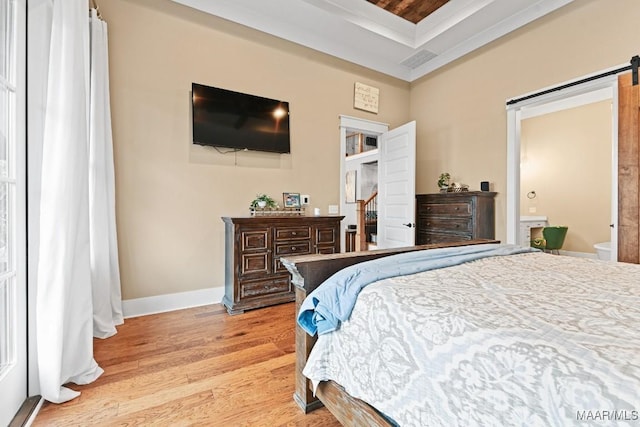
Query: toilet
{"type": "Point", "coordinates": [603, 250]}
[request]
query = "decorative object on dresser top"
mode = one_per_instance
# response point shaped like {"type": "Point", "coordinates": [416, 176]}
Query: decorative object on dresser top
{"type": "Point", "coordinates": [291, 200]}
{"type": "Point", "coordinates": [254, 276]}
{"type": "Point", "coordinates": [277, 211]}
{"type": "Point", "coordinates": [454, 217]}
{"type": "Point", "coordinates": [450, 187]}
{"type": "Point", "coordinates": [264, 205]}
{"type": "Point", "coordinates": [443, 181]}
{"type": "Point", "coordinates": [457, 187]}
{"type": "Point", "coordinates": [263, 201]}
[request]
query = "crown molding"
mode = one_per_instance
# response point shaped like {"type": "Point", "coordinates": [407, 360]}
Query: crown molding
{"type": "Point", "coordinates": [362, 33]}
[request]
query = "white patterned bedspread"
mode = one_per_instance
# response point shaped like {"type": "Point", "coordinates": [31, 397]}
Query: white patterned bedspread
{"type": "Point", "coordinates": [527, 340]}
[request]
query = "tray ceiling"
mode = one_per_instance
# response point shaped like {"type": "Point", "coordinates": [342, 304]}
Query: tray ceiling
{"type": "Point", "coordinates": [411, 10]}
{"type": "Point", "coordinates": [381, 34]}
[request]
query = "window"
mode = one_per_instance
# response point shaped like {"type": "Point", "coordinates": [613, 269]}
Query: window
{"type": "Point", "coordinates": [8, 143]}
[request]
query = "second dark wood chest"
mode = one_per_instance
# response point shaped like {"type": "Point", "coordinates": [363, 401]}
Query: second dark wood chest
{"type": "Point", "coordinates": [454, 217]}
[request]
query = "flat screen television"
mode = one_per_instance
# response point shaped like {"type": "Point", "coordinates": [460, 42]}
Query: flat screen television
{"type": "Point", "coordinates": [224, 118]}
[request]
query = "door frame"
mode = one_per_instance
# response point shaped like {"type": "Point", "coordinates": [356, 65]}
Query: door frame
{"type": "Point", "coordinates": [353, 124]}
{"type": "Point", "coordinates": [15, 380]}
{"type": "Point", "coordinates": [570, 97]}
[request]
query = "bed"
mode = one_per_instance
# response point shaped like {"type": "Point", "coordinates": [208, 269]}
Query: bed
{"type": "Point", "coordinates": [521, 339]}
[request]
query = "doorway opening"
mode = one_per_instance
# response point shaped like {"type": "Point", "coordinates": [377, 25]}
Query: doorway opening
{"type": "Point", "coordinates": [377, 185]}
{"type": "Point", "coordinates": [523, 203]}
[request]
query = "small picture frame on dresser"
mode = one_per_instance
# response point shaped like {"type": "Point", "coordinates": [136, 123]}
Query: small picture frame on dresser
{"type": "Point", "coordinates": [291, 200]}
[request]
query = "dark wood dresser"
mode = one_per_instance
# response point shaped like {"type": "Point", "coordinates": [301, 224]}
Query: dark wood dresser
{"type": "Point", "coordinates": [254, 276]}
{"type": "Point", "coordinates": [453, 217]}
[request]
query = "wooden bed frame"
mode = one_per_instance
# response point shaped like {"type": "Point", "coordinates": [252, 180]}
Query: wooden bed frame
{"type": "Point", "coordinates": [308, 272]}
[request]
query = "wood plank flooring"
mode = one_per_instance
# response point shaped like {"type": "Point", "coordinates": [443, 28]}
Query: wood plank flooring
{"type": "Point", "coordinates": [199, 366]}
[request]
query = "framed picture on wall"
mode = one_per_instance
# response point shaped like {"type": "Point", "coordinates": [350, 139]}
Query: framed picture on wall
{"type": "Point", "coordinates": [291, 200]}
{"type": "Point", "coordinates": [350, 187]}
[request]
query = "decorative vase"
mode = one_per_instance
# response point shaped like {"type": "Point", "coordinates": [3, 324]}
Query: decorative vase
{"type": "Point", "coordinates": [262, 204]}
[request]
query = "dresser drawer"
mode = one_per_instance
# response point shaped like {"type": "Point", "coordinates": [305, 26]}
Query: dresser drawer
{"type": "Point", "coordinates": [455, 224]}
{"type": "Point", "coordinates": [259, 288]}
{"type": "Point", "coordinates": [326, 236]}
{"type": "Point", "coordinates": [292, 233]}
{"type": "Point", "coordinates": [293, 248]}
{"type": "Point", "coordinates": [254, 239]}
{"type": "Point", "coordinates": [449, 209]}
{"type": "Point", "coordinates": [254, 263]}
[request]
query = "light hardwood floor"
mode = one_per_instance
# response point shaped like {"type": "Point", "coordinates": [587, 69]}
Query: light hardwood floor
{"type": "Point", "coordinates": [199, 366]}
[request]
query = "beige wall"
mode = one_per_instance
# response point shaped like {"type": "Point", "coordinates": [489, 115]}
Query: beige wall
{"type": "Point", "coordinates": [566, 160]}
{"type": "Point", "coordinates": [460, 109]}
{"type": "Point", "coordinates": [171, 195]}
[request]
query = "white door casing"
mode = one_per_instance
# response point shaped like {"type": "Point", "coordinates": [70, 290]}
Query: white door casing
{"type": "Point", "coordinates": [396, 187]}
{"type": "Point", "coordinates": [570, 97]}
{"type": "Point", "coordinates": [348, 125]}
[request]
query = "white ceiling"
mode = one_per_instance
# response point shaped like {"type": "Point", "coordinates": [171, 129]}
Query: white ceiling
{"type": "Point", "coordinates": [360, 32]}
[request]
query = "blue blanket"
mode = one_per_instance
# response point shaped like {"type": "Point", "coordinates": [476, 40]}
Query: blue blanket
{"type": "Point", "coordinates": [332, 302]}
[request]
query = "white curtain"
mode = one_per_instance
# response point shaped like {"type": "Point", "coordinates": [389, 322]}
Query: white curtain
{"type": "Point", "coordinates": [78, 288]}
{"type": "Point", "coordinates": [105, 271]}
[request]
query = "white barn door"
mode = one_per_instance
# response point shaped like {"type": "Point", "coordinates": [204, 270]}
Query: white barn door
{"type": "Point", "coordinates": [397, 187]}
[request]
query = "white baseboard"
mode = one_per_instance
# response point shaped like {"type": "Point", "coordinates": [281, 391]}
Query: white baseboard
{"type": "Point", "coordinates": [169, 302]}
{"type": "Point", "coordinates": [579, 254]}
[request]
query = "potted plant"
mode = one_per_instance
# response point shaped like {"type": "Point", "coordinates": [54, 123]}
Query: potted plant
{"type": "Point", "coordinates": [263, 201]}
{"type": "Point", "coordinates": [443, 181]}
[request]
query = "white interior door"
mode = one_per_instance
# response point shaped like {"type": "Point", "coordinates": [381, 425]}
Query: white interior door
{"type": "Point", "coordinates": [397, 187]}
{"type": "Point", "coordinates": [13, 306]}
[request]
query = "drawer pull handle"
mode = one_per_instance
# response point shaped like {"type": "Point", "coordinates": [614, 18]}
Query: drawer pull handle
{"type": "Point", "coordinates": [293, 248]}
{"type": "Point", "coordinates": [457, 208]}
{"type": "Point", "coordinates": [293, 233]}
